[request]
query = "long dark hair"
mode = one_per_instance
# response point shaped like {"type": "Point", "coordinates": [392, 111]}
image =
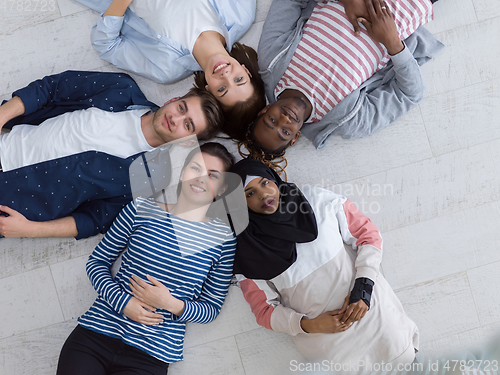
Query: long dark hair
{"type": "Point", "coordinates": [238, 117]}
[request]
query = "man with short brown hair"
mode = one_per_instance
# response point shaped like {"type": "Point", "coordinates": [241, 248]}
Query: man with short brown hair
{"type": "Point", "coordinates": [69, 175]}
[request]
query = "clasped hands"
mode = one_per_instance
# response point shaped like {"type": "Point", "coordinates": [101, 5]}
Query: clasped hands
{"type": "Point", "coordinates": [336, 320]}
{"type": "Point", "coordinates": [148, 298]}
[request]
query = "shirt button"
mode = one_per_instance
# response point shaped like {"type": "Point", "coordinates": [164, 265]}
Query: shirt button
{"type": "Point", "coordinates": [158, 36]}
{"type": "Point", "coordinates": [90, 100]}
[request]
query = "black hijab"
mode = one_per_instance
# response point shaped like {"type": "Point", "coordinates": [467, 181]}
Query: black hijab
{"type": "Point", "coordinates": [266, 247]}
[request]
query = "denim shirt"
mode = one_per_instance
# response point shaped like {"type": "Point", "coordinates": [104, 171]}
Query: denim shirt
{"type": "Point", "coordinates": [130, 43]}
{"type": "Point", "coordinates": [380, 100]}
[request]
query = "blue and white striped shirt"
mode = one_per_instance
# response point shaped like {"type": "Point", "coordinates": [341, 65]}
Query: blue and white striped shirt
{"type": "Point", "coordinates": [194, 260]}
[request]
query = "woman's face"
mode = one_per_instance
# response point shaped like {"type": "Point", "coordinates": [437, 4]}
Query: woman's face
{"type": "Point", "coordinates": [203, 178]}
{"type": "Point", "coordinates": [263, 196]}
{"type": "Point", "coordinates": [228, 80]}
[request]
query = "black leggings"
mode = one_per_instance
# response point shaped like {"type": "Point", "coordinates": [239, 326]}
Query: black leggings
{"type": "Point", "coordinates": [86, 352]}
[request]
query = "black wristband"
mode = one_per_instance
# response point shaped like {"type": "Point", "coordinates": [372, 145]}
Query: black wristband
{"type": "Point", "coordinates": [362, 289]}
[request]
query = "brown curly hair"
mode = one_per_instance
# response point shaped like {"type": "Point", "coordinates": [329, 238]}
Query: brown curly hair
{"type": "Point", "coordinates": [238, 117]}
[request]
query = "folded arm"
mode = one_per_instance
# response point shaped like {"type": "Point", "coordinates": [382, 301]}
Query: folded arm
{"type": "Point", "coordinates": [16, 225]}
{"type": "Point", "coordinates": [206, 308]}
{"type": "Point", "coordinates": [398, 92]}
{"type": "Point", "coordinates": [118, 49]}
{"type": "Point", "coordinates": [106, 252]}
{"type": "Point", "coordinates": [87, 220]}
{"type": "Point", "coordinates": [11, 109]}
{"type": "Point", "coordinates": [265, 303]}
{"type": "Point", "coordinates": [363, 236]}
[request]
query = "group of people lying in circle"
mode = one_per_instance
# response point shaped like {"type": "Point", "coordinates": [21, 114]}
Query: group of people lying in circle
{"type": "Point", "coordinates": [66, 172]}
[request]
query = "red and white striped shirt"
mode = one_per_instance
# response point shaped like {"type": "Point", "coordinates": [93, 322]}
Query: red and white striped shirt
{"type": "Point", "coordinates": [330, 62]}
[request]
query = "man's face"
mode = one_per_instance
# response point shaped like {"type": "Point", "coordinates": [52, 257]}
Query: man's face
{"type": "Point", "coordinates": [179, 118]}
{"type": "Point", "coordinates": [279, 126]}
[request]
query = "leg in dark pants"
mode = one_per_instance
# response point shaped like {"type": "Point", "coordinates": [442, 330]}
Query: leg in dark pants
{"type": "Point", "coordinates": [90, 353]}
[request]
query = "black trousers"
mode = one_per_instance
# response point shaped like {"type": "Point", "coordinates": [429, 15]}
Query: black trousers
{"type": "Point", "coordinates": [86, 352]}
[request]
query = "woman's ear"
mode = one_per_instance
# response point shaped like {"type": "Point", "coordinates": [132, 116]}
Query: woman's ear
{"type": "Point", "coordinates": [207, 88]}
{"type": "Point", "coordinates": [246, 70]}
{"type": "Point", "coordinates": [222, 190]}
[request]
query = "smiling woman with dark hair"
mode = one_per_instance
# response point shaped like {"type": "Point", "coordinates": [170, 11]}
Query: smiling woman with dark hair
{"type": "Point", "coordinates": [167, 40]}
{"type": "Point", "coordinates": [299, 278]}
{"type": "Point", "coordinates": [176, 269]}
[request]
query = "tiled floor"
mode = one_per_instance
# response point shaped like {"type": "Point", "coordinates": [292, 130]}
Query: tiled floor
{"type": "Point", "coordinates": [430, 181]}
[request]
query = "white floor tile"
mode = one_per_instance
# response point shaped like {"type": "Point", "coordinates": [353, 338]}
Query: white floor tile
{"type": "Point", "coordinates": [18, 15]}
{"type": "Point", "coordinates": [264, 352]}
{"type": "Point", "coordinates": [448, 17]}
{"type": "Point", "coordinates": [25, 254]}
{"type": "Point", "coordinates": [403, 142]}
{"type": "Point", "coordinates": [65, 44]}
{"type": "Point", "coordinates": [474, 340]}
{"type": "Point", "coordinates": [486, 9]}
{"type": "Point", "coordinates": [68, 7]}
{"type": "Point", "coordinates": [252, 36]}
{"type": "Point", "coordinates": [442, 246]}
{"type": "Point", "coordinates": [434, 187]}
{"type": "Point", "coordinates": [235, 317]}
{"type": "Point", "coordinates": [35, 352]}
{"type": "Point", "coordinates": [462, 118]}
{"type": "Point", "coordinates": [76, 293]}
{"type": "Point", "coordinates": [262, 9]}
{"type": "Point", "coordinates": [215, 358]}
{"type": "Point", "coordinates": [440, 307]}
{"type": "Point", "coordinates": [469, 57]}
{"type": "Point", "coordinates": [28, 301]}
{"type": "Point", "coordinates": [485, 285]}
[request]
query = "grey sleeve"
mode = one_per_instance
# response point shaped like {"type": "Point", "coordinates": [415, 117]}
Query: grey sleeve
{"type": "Point", "coordinates": [384, 104]}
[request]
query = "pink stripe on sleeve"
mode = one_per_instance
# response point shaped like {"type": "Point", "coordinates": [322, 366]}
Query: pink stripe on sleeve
{"type": "Point", "coordinates": [361, 227]}
{"type": "Point", "coordinates": [257, 300]}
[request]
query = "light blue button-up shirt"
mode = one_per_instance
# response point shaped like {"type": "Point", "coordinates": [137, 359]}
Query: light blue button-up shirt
{"type": "Point", "coordinates": [129, 43]}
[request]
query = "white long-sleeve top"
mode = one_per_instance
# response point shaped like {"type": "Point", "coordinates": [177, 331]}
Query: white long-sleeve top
{"type": "Point", "coordinates": [320, 279]}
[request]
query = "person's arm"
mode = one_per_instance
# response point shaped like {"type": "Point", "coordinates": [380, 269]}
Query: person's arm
{"type": "Point", "coordinates": [364, 237]}
{"type": "Point", "coordinates": [265, 303]}
{"type": "Point", "coordinates": [279, 27]}
{"type": "Point", "coordinates": [53, 95]}
{"type": "Point", "coordinates": [16, 225]}
{"type": "Point", "coordinates": [117, 8]}
{"type": "Point", "coordinates": [11, 109]}
{"type": "Point", "coordinates": [207, 306]}
{"type": "Point", "coordinates": [116, 48]}
{"type": "Point", "coordinates": [99, 270]}
{"type": "Point", "coordinates": [87, 220]}
{"type": "Point", "coordinates": [397, 94]}
{"type": "Point", "coordinates": [96, 216]}
{"type": "Point", "coordinates": [353, 10]}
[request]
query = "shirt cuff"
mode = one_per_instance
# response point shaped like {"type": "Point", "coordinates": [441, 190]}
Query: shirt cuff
{"type": "Point", "coordinates": [29, 100]}
{"type": "Point", "coordinates": [122, 302]}
{"type": "Point", "coordinates": [110, 24]}
{"type": "Point", "coordinates": [402, 57]}
{"type": "Point", "coordinates": [189, 314]}
{"type": "Point", "coordinates": [84, 225]}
